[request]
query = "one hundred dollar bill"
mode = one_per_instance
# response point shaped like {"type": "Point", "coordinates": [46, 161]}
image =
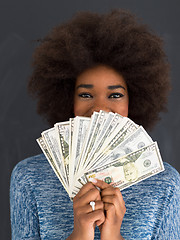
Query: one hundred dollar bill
{"type": "Point", "coordinates": [102, 117]}
{"type": "Point", "coordinates": [92, 124]}
{"type": "Point", "coordinates": [51, 140]}
{"type": "Point", "coordinates": [138, 139]}
{"type": "Point", "coordinates": [63, 133]}
{"type": "Point", "coordinates": [106, 132]}
{"type": "Point", "coordinates": [81, 125]}
{"type": "Point", "coordinates": [118, 137]}
{"type": "Point", "coordinates": [103, 123]}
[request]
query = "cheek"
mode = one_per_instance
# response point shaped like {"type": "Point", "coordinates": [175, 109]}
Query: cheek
{"type": "Point", "coordinates": [126, 111]}
{"type": "Point", "coordinates": [77, 111]}
{"type": "Point", "coordinates": [83, 108]}
{"type": "Point", "coordinates": [79, 107]}
{"type": "Point", "coordinates": [122, 109]}
{"type": "Point", "coordinates": [76, 107]}
{"type": "Point", "coordinates": [126, 108]}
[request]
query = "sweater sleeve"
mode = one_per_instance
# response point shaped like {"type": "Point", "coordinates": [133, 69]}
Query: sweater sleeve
{"type": "Point", "coordinates": [170, 224]}
{"type": "Point", "coordinates": [24, 217]}
{"type": "Point", "coordinates": [170, 228]}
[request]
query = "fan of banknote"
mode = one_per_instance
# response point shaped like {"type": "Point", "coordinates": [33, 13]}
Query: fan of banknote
{"type": "Point", "coordinates": [105, 146]}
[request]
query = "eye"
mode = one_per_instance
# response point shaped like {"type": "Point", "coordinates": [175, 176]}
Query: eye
{"type": "Point", "coordinates": [116, 95]}
{"type": "Point", "coordinates": [85, 95]}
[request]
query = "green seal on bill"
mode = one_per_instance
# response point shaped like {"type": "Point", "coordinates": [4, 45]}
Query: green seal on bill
{"type": "Point", "coordinates": [147, 163]}
{"type": "Point", "coordinates": [108, 180]}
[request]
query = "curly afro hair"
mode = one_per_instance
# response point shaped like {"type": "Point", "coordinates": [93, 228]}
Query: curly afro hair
{"type": "Point", "coordinates": [116, 39]}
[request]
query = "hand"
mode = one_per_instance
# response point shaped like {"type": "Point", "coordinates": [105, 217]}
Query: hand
{"type": "Point", "coordinates": [114, 207]}
{"type": "Point", "coordinates": [85, 219]}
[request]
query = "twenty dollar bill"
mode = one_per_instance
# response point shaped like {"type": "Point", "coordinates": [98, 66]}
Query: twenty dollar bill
{"type": "Point", "coordinates": [130, 169]}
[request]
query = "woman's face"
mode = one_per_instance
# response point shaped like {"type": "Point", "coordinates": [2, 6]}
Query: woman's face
{"type": "Point", "coordinates": [100, 88]}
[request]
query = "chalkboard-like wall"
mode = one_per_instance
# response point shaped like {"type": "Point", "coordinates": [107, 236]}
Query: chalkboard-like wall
{"type": "Point", "coordinates": [22, 22]}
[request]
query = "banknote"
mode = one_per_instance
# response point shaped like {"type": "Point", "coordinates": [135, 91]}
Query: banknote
{"type": "Point", "coordinates": [118, 137]}
{"type": "Point", "coordinates": [71, 130]}
{"type": "Point", "coordinates": [130, 169]}
{"type": "Point", "coordinates": [103, 123]}
{"type": "Point", "coordinates": [105, 134]}
{"type": "Point", "coordinates": [103, 117]}
{"type": "Point", "coordinates": [87, 140]}
{"type": "Point", "coordinates": [51, 140]}
{"type": "Point", "coordinates": [106, 130]}
{"type": "Point", "coordinates": [136, 140]}
{"type": "Point", "coordinates": [126, 130]}
{"type": "Point", "coordinates": [80, 129]}
{"type": "Point", "coordinates": [51, 161]}
{"type": "Point", "coordinates": [62, 130]}
{"type": "Point", "coordinates": [106, 146]}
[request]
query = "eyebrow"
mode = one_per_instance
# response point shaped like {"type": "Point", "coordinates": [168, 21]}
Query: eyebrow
{"type": "Point", "coordinates": [85, 86]}
{"type": "Point", "coordinates": [115, 87]}
{"type": "Point", "coordinates": [91, 86]}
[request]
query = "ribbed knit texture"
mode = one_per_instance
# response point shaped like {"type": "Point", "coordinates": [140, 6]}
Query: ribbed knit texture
{"type": "Point", "coordinates": [41, 208]}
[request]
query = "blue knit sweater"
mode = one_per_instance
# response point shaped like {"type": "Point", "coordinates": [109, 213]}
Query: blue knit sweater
{"type": "Point", "coordinates": [41, 208]}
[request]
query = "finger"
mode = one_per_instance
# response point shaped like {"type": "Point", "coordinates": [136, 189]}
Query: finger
{"type": "Point", "coordinates": [99, 205]}
{"type": "Point", "coordinates": [111, 200]}
{"type": "Point", "coordinates": [99, 183]}
{"type": "Point", "coordinates": [113, 205]}
{"type": "Point", "coordinates": [84, 189]}
{"type": "Point", "coordinates": [112, 191]}
{"type": "Point", "coordinates": [109, 207]}
{"type": "Point", "coordinates": [91, 218]}
{"type": "Point", "coordinates": [97, 216]}
{"type": "Point", "coordinates": [101, 220]}
{"type": "Point", "coordinates": [113, 196]}
{"type": "Point", "coordinates": [92, 195]}
{"type": "Point", "coordinates": [107, 189]}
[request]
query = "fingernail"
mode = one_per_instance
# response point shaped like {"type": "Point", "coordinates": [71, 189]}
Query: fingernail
{"type": "Point", "coordinates": [93, 180]}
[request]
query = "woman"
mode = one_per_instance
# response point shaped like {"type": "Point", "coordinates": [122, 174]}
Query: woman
{"type": "Point", "coordinates": [114, 63]}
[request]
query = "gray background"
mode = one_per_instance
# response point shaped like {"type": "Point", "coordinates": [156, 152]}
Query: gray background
{"type": "Point", "coordinates": [23, 21]}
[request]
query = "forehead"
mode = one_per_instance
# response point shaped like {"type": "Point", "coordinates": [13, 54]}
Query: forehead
{"type": "Point", "coordinates": [100, 75]}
